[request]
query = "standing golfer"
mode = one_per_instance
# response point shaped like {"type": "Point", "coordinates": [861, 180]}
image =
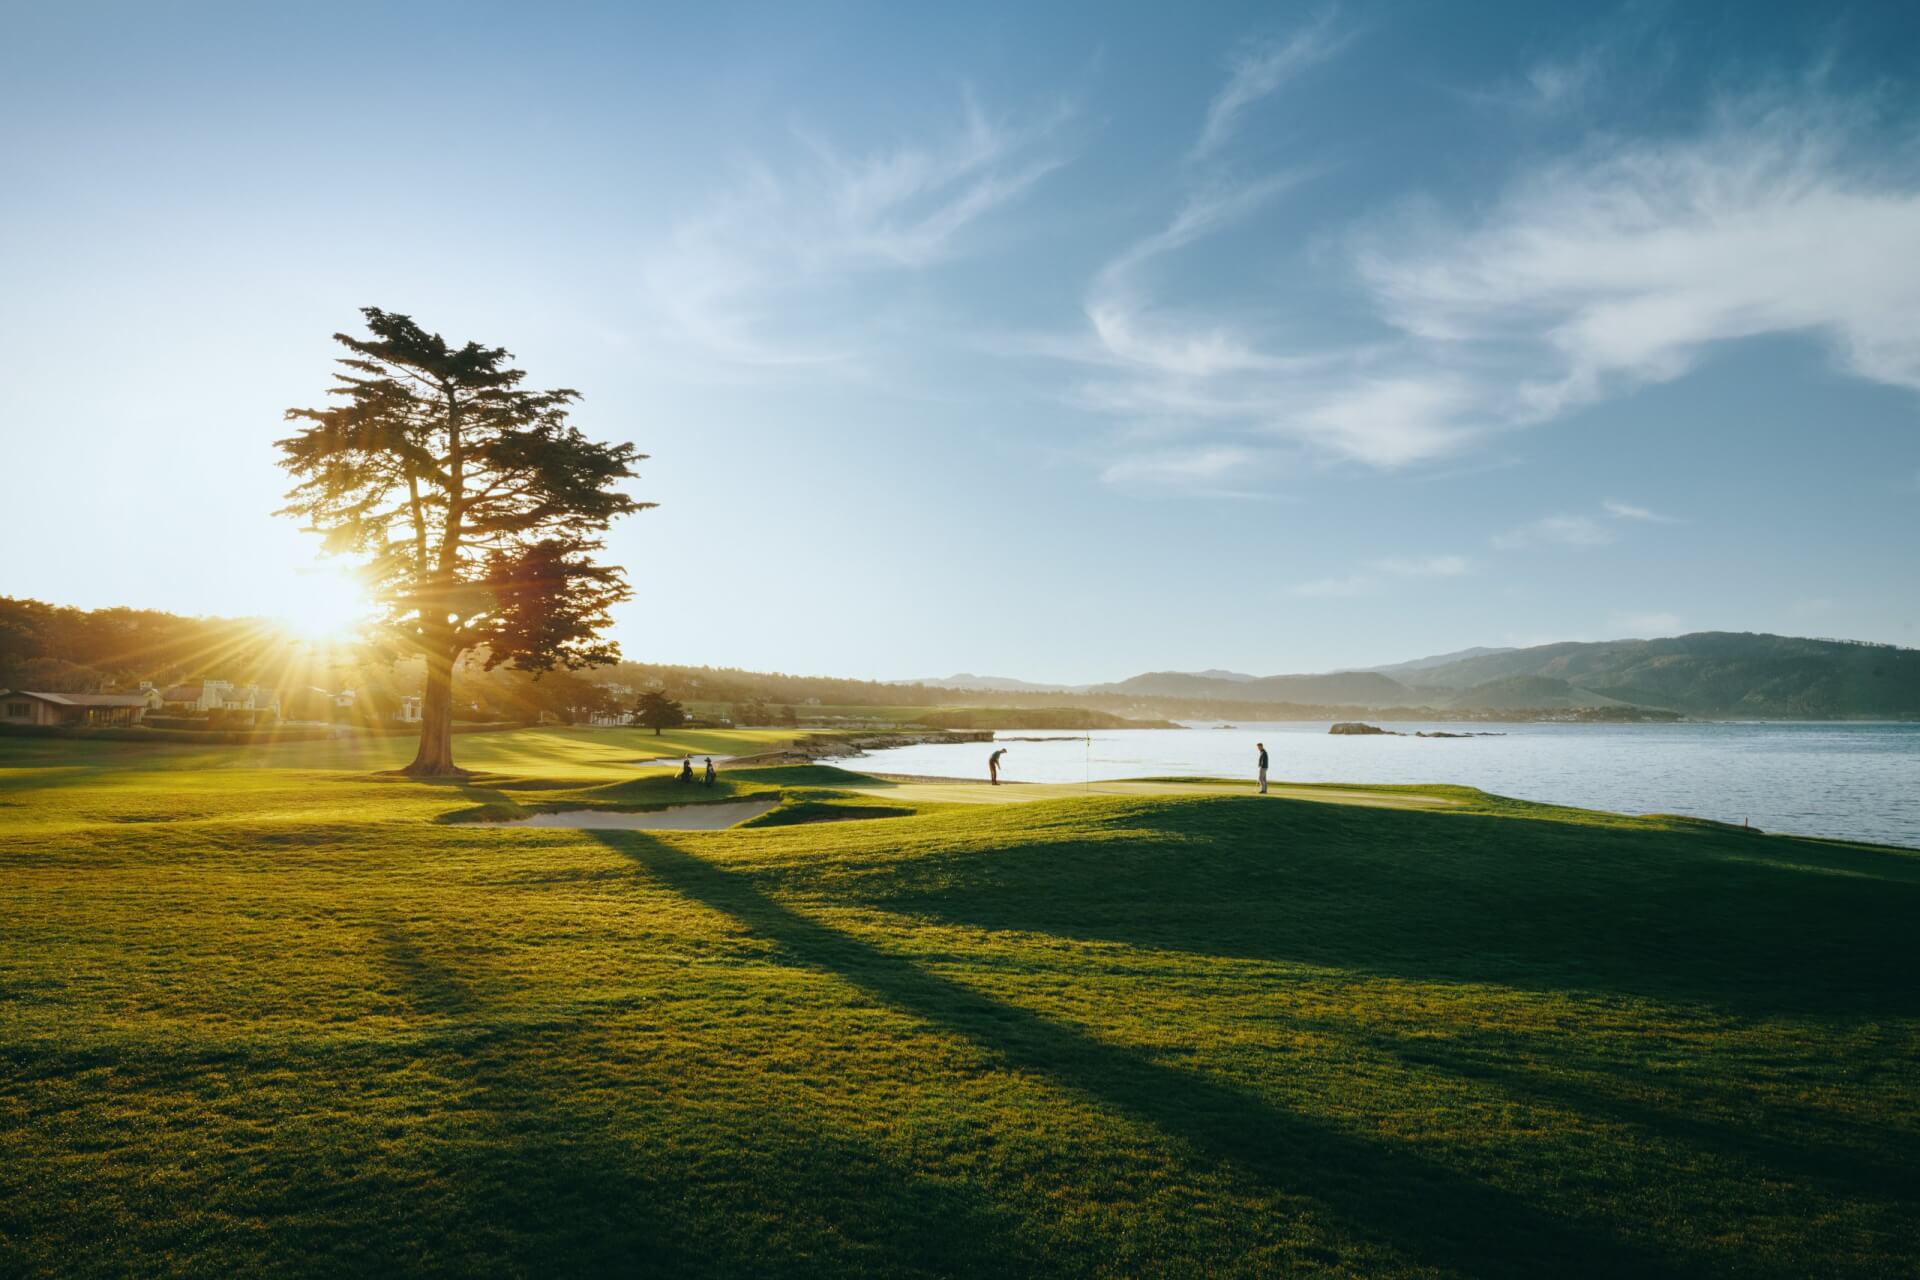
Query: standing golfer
{"type": "Point", "coordinates": [1263, 766]}
{"type": "Point", "coordinates": [993, 765]}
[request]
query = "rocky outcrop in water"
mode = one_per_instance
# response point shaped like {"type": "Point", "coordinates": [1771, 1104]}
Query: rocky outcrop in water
{"type": "Point", "coordinates": [1355, 727]}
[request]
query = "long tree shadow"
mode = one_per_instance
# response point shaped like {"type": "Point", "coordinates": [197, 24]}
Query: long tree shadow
{"type": "Point", "coordinates": [1755, 925]}
{"type": "Point", "coordinates": [1432, 1214]}
{"type": "Point", "coordinates": [517, 1181]}
{"type": "Point", "coordinates": [539, 1185]}
{"type": "Point", "coordinates": [1883, 1167]}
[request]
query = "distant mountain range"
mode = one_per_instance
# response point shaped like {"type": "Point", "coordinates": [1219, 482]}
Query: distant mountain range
{"type": "Point", "coordinates": [1719, 674]}
{"type": "Point", "coordinates": [967, 681]}
{"type": "Point", "coordinates": [1339, 688]}
{"type": "Point", "coordinates": [1437, 660]}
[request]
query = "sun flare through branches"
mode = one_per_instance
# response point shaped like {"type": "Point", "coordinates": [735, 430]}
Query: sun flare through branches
{"type": "Point", "coordinates": [331, 604]}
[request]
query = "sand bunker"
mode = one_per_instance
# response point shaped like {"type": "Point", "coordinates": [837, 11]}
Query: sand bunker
{"type": "Point", "coordinates": [683, 817]}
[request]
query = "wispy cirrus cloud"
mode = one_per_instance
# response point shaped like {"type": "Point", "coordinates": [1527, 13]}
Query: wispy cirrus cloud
{"type": "Point", "coordinates": [1206, 471]}
{"type": "Point", "coordinates": [1629, 511]}
{"type": "Point", "coordinates": [1557, 86]}
{"type": "Point", "coordinates": [1580, 530]}
{"type": "Point", "coordinates": [1619, 266]}
{"type": "Point", "coordinates": [753, 277]}
{"type": "Point", "coordinates": [1427, 566]}
{"type": "Point", "coordinates": [1259, 70]}
{"type": "Point", "coordinates": [1121, 315]}
{"type": "Point", "coordinates": [1214, 371]}
{"type": "Point", "coordinates": [1378, 571]}
{"type": "Point", "coordinates": [1613, 266]}
{"type": "Point", "coordinates": [1565, 530]}
{"type": "Point", "coordinates": [1570, 529]}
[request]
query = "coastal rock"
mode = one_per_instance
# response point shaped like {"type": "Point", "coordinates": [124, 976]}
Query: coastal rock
{"type": "Point", "coordinates": [1355, 727]}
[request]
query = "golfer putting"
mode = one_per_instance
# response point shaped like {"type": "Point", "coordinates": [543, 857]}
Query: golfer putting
{"type": "Point", "coordinates": [993, 766]}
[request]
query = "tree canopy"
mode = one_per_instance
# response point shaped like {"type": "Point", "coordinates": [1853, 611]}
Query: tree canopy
{"type": "Point", "coordinates": [657, 710]}
{"type": "Point", "coordinates": [475, 505]}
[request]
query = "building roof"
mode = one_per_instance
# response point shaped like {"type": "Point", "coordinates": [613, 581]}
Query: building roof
{"type": "Point", "coordinates": [181, 693]}
{"type": "Point", "coordinates": [81, 699]}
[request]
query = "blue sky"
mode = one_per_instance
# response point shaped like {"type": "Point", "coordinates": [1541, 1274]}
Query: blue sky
{"type": "Point", "coordinates": [1063, 342]}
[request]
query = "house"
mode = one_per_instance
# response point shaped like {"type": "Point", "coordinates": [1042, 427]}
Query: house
{"type": "Point", "coordinates": [219, 695]}
{"type": "Point", "coordinates": [196, 695]}
{"type": "Point", "coordinates": [409, 712]}
{"type": "Point", "coordinates": [622, 696]}
{"type": "Point", "coordinates": [23, 706]}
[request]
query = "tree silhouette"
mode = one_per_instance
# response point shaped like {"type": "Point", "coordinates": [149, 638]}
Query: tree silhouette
{"type": "Point", "coordinates": [657, 711]}
{"type": "Point", "coordinates": [476, 505]}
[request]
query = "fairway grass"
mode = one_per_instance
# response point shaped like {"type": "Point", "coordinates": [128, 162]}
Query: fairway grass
{"type": "Point", "coordinates": [957, 791]}
{"type": "Point", "coordinates": [263, 1011]}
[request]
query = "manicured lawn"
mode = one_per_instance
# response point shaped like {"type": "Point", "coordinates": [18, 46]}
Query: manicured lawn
{"type": "Point", "coordinates": [263, 1012]}
{"type": "Point", "coordinates": [828, 713]}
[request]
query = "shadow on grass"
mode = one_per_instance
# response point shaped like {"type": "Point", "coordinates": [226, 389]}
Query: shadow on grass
{"type": "Point", "coordinates": [540, 1181]}
{"type": "Point", "coordinates": [1432, 1214]}
{"type": "Point", "coordinates": [33, 778]}
{"type": "Point", "coordinates": [1755, 925]}
{"type": "Point", "coordinates": [806, 775]}
{"type": "Point", "coordinates": [799, 813]}
{"type": "Point", "coordinates": [1877, 1165]}
{"type": "Point", "coordinates": [520, 1182]}
{"type": "Point", "coordinates": [669, 790]}
{"type": "Point", "coordinates": [487, 804]}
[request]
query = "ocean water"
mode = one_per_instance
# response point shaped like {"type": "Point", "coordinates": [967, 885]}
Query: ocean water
{"type": "Point", "coordinates": [1852, 781]}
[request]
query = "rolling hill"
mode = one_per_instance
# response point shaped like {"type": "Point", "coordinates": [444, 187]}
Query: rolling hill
{"type": "Point", "coordinates": [967, 681]}
{"type": "Point", "coordinates": [1405, 670]}
{"type": "Point", "coordinates": [1716, 673]}
{"type": "Point", "coordinates": [1527, 693]}
{"type": "Point", "coordinates": [1708, 673]}
{"type": "Point", "coordinates": [1339, 688]}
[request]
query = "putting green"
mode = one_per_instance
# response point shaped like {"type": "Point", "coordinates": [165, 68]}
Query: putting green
{"type": "Point", "coordinates": [951, 791]}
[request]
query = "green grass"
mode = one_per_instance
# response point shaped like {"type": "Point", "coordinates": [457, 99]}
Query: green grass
{"type": "Point", "coordinates": [1035, 718]}
{"type": "Point", "coordinates": [820, 712]}
{"type": "Point", "coordinates": [262, 1011]}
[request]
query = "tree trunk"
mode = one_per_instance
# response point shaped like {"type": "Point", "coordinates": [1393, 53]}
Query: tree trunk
{"type": "Point", "coordinates": [435, 757]}
{"type": "Point", "coordinates": [656, 731]}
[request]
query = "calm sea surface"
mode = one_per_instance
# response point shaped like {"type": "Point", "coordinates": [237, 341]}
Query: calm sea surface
{"type": "Point", "coordinates": [1855, 781]}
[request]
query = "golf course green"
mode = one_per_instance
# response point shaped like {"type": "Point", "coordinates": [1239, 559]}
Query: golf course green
{"type": "Point", "coordinates": [266, 1011]}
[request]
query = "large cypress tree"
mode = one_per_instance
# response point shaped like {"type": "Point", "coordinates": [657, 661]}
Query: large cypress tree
{"type": "Point", "coordinates": [476, 505]}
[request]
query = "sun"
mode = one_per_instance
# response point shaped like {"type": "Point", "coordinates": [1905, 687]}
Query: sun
{"type": "Point", "coordinates": [329, 604]}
